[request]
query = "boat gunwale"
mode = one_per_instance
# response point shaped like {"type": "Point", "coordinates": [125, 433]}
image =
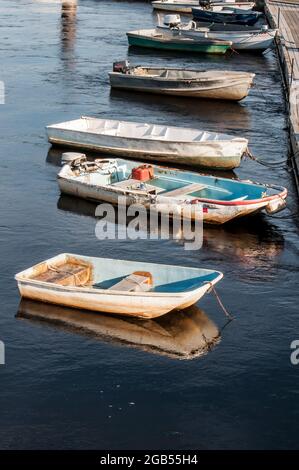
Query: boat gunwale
{"type": "Point", "coordinates": [189, 142]}
{"type": "Point", "coordinates": [221, 81]}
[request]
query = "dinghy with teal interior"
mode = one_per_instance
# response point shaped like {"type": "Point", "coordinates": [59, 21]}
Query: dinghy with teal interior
{"type": "Point", "coordinates": [167, 191]}
{"type": "Point", "coordinates": [145, 290]}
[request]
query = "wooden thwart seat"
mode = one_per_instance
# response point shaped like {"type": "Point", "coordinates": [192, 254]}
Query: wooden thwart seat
{"type": "Point", "coordinates": [131, 184]}
{"type": "Point", "coordinates": [190, 188]}
{"type": "Point", "coordinates": [137, 281]}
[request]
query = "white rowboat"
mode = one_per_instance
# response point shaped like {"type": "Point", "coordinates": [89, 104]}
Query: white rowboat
{"type": "Point", "coordinates": [90, 288]}
{"type": "Point", "coordinates": [162, 143]}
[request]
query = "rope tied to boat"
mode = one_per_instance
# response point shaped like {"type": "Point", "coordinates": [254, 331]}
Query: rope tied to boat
{"type": "Point", "coordinates": [280, 165]}
{"type": "Point", "coordinates": [213, 289]}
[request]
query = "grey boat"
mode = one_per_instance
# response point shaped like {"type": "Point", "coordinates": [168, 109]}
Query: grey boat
{"type": "Point", "coordinates": [213, 84]}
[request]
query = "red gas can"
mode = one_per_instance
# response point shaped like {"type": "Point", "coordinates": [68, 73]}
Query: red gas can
{"type": "Point", "coordinates": [143, 172]}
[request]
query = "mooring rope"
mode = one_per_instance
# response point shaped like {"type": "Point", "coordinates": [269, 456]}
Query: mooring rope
{"type": "Point", "coordinates": [213, 289]}
{"type": "Point", "coordinates": [280, 165]}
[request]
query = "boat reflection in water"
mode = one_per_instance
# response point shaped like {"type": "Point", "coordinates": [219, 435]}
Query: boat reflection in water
{"type": "Point", "coordinates": [254, 242]}
{"type": "Point", "coordinates": [233, 112]}
{"type": "Point", "coordinates": [182, 334]}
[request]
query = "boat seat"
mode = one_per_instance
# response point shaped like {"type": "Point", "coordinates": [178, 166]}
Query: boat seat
{"type": "Point", "coordinates": [131, 184]}
{"type": "Point", "coordinates": [190, 188]}
{"type": "Point", "coordinates": [67, 274]}
{"type": "Point", "coordinates": [135, 282]}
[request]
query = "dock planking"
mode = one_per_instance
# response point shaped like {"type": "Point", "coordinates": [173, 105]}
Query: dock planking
{"type": "Point", "coordinates": [285, 16]}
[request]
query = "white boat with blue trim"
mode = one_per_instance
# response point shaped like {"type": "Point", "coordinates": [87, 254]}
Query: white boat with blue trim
{"type": "Point", "coordinates": [213, 200]}
{"type": "Point", "coordinates": [139, 289]}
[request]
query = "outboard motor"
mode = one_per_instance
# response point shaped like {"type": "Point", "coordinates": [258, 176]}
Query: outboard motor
{"type": "Point", "coordinates": [205, 4]}
{"type": "Point", "coordinates": [172, 21]}
{"type": "Point", "coordinates": [122, 66]}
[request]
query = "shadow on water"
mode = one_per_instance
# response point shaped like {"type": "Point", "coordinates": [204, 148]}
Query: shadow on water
{"type": "Point", "coordinates": [233, 112]}
{"type": "Point", "coordinates": [182, 334]}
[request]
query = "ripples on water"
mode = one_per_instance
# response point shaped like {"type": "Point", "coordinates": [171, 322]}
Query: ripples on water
{"type": "Point", "coordinates": [60, 389]}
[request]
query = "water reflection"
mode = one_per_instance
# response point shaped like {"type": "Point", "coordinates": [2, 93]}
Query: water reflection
{"type": "Point", "coordinates": [253, 242]}
{"type": "Point", "coordinates": [236, 114]}
{"type": "Point", "coordinates": [68, 29]}
{"type": "Point", "coordinates": [180, 334]}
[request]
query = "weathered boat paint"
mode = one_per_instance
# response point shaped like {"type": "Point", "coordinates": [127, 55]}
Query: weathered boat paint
{"type": "Point", "coordinates": [140, 304]}
{"type": "Point", "coordinates": [206, 84]}
{"type": "Point", "coordinates": [216, 211]}
{"type": "Point", "coordinates": [208, 150]}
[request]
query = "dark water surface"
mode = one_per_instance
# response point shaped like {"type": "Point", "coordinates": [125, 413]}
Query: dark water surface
{"type": "Point", "coordinates": [62, 388]}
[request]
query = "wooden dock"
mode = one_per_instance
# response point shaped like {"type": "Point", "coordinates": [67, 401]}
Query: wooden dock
{"type": "Point", "coordinates": [285, 16]}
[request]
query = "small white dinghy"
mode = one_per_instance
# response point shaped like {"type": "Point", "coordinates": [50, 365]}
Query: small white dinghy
{"type": "Point", "coordinates": [212, 84]}
{"type": "Point", "coordinates": [178, 145]}
{"type": "Point", "coordinates": [145, 290]}
{"type": "Point", "coordinates": [164, 190]}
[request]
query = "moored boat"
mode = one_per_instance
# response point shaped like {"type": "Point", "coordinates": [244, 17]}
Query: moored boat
{"type": "Point", "coordinates": [212, 199]}
{"type": "Point", "coordinates": [102, 284]}
{"type": "Point", "coordinates": [257, 40]}
{"type": "Point", "coordinates": [178, 145]}
{"type": "Point", "coordinates": [213, 84]}
{"type": "Point", "coordinates": [157, 39]}
{"type": "Point", "coordinates": [185, 6]}
{"type": "Point", "coordinates": [227, 15]}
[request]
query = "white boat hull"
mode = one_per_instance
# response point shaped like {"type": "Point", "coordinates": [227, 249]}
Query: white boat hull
{"type": "Point", "coordinates": [213, 213]}
{"type": "Point", "coordinates": [232, 86]}
{"type": "Point", "coordinates": [209, 153]}
{"type": "Point", "coordinates": [244, 41]}
{"type": "Point", "coordinates": [137, 304]}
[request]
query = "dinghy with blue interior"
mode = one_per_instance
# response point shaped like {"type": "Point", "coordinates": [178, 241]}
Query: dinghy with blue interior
{"type": "Point", "coordinates": [167, 191]}
{"type": "Point", "coordinates": [139, 289]}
